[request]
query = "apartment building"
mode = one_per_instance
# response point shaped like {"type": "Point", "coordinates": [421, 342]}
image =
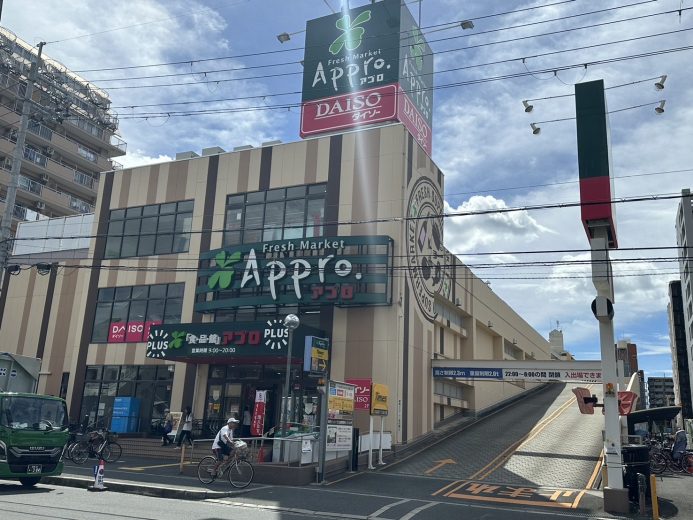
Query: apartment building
{"type": "Point", "coordinates": [660, 391]}
{"type": "Point", "coordinates": [71, 136]}
{"type": "Point", "coordinates": [679, 352]}
{"type": "Point", "coordinates": [684, 228]}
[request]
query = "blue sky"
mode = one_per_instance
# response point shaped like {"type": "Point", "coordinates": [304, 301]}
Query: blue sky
{"type": "Point", "coordinates": [481, 135]}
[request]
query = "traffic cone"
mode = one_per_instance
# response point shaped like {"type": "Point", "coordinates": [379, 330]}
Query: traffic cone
{"type": "Point", "coordinates": [98, 477]}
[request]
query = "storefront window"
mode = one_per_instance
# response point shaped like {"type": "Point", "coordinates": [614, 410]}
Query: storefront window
{"type": "Point", "coordinates": [147, 230]}
{"type": "Point", "coordinates": [125, 314]}
{"type": "Point", "coordinates": [151, 384]}
{"type": "Point", "coordinates": [282, 213]}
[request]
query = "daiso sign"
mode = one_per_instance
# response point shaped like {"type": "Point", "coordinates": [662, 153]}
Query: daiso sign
{"type": "Point", "coordinates": [362, 393]}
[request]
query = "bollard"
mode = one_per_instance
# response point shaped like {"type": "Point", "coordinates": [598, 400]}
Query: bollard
{"type": "Point", "coordinates": [653, 492]}
{"type": "Point", "coordinates": [355, 450]}
{"type": "Point", "coordinates": [182, 458]}
{"type": "Point", "coordinates": [642, 487]}
{"type": "Point", "coordinates": [605, 477]}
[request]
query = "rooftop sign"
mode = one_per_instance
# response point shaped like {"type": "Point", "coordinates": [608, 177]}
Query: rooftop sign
{"type": "Point", "coordinates": [367, 65]}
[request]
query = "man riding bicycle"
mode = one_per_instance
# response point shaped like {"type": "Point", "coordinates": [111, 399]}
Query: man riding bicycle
{"type": "Point", "coordinates": [223, 442]}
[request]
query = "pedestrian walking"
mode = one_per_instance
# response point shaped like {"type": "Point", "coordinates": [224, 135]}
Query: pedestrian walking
{"type": "Point", "coordinates": [168, 427]}
{"type": "Point", "coordinates": [186, 429]}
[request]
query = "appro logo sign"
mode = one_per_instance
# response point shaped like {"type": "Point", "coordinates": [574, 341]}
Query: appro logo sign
{"type": "Point", "coordinates": [352, 33]}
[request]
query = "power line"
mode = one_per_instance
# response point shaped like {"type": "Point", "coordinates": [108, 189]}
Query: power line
{"type": "Point", "coordinates": [454, 69]}
{"type": "Point", "coordinates": [294, 49]}
{"type": "Point", "coordinates": [651, 197]}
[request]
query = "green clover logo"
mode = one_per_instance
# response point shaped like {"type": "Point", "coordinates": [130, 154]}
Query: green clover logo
{"type": "Point", "coordinates": [353, 34]}
{"type": "Point", "coordinates": [224, 276]}
{"type": "Point", "coordinates": [178, 337]}
{"type": "Point", "coordinates": [417, 48]}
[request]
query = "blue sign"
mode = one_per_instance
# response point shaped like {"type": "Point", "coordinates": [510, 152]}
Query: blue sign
{"type": "Point", "coordinates": [472, 373]}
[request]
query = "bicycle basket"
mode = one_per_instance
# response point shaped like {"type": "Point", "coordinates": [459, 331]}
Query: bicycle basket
{"type": "Point", "coordinates": [241, 448]}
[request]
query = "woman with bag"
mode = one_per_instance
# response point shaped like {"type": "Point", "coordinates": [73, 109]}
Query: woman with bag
{"type": "Point", "coordinates": [186, 431]}
{"type": "Point", "coordinates": [168, 426]}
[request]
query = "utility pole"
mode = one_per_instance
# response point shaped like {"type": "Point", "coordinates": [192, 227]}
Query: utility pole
{"type": "Point", "coordinates": [17, 156]}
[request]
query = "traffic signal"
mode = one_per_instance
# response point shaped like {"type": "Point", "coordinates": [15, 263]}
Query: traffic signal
{"type": "Point", "coordinates": [585, 400]}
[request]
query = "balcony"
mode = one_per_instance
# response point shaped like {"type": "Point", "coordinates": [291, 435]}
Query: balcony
{"type": "Point", "coordinates": [73, 180]}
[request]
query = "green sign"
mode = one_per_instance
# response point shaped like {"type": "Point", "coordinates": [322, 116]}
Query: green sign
{"type": "Point", "coordinates": [341, 271]}
{"type": "Point", "coordinates": [223, 340]}
{"type": "Point", "coordinates": [416, 67]}
{"type": "Point", "coordinates": [352, 51]}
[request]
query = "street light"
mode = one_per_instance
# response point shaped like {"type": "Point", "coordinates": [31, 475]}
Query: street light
{"type": "Point", "coordinates": [291, 322]}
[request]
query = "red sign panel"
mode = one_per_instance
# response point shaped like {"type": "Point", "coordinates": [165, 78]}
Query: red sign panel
{"type": "Point", "coordinates": [349, 110]}
{"type": "Point", "coordinates": [362, 393]}
{"type": "Point", "coordinates": [408, 114]}
{"type": "Point", "coordinates": [130, 332]}
{"type": "Point", "coordinates": [258, 424]}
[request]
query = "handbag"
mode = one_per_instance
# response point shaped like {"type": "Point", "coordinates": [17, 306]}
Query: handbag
{"type": "Point", "coordinates": [168, 427]}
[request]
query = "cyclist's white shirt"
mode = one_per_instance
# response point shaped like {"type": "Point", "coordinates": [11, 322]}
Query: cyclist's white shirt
{"type": "Point", "coordinates": [225, 430]}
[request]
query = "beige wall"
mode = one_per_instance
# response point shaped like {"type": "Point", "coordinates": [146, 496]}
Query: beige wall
{"type": "Point", "coordinates": [378, 172]}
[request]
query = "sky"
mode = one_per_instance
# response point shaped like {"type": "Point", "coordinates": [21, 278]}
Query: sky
{"type": "Point", "coordinates": [482, 139]}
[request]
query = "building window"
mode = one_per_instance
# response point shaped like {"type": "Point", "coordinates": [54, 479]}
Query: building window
{"type": "Point", "coordinates": [157, 229]}
{"type": "Point", "coordinates": [150, 385]}
{"type": "Point", "coordinates": [125, 314]}
{"type": "Point", "coordinates": [283, 213]}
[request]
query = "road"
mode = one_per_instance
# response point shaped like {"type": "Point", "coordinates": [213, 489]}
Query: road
{"type": "Point", "coordinates": [536, 459]}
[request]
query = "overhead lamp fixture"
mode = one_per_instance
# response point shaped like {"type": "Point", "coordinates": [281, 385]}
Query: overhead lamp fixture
{"type": "Point", "coordinates": [660, 108]}
{"type": "Point", "coordinates": [535, 129]}
{"type": "Point", "coordinates": [489, 324]}
{"type": "Point", "coordinates": [659, 85]}
{"type": "Point", "coordinates": [14, 269]}
{"type": "Point", "coordinates": [467, 24]}
{"type": "Point", "coordinates": [514, 341]}
{"type": "Point", "coordinates": [43, 268]}
{"type": "Point", "coordinates": [283, 37]}
{"type": "Point", "coordinates": [528, 107]}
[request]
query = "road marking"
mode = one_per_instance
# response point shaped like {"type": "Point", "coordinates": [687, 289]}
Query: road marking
{"type": "Point", "coordinates": [440, 464]}
{"type": "Point", "coordinates": [595, 473]}
{"type": "Point", "coordinates": [446, 487]}
{"type": "Point", "coordinates": [142, 468]}
{"type": "Point", "coordinates": [385, 508]}
{"type": "Point", "coordinates": [414, 512]}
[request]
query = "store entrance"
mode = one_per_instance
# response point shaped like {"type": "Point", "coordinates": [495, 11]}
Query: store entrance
{"type": "Point", "coordinates": [231, 391]}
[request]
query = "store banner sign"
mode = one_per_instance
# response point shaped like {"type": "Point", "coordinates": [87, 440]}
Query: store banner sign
{"type": "Point", "coordinates": [257, 426]}
{"type": "Point", "coordinates": [362, 393]}
{"type": "Point", "coordinates": [341, 271]}
{"type": "Point", "coordinates": [221, 340]}
{"type": "Point", "coordinates": [367, 65]}
{"type": "Point", "coordinates": [130, 332]}
{"type": "Point", "coordinates": [521, 374]}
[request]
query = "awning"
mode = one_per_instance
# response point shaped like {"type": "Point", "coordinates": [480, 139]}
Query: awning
{"type": "Point", "coordinates": [650, 415]}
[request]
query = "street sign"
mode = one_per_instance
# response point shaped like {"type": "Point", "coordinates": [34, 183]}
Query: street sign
{"type": "Point", "coordinates": [532, 370]}
{"type": "Point", "coordinates": [316, 355]}
{"type": "Point", "coordinates": [379, 399]}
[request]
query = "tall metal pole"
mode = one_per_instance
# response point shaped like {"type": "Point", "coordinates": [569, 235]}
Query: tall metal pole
{"type": "Point", "coordinates": [291, 322]}
{"type": "Point", "coordinates": [602, 279]}
{"type": "Point", "coordinates": [17, 156]}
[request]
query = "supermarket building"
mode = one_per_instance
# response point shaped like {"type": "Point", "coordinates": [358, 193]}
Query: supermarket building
{"type": "Point", "coordinates": [346, 231]}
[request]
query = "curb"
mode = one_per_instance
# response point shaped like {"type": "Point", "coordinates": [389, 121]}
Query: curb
{"type": "Point", "coordinates": [144, 489]}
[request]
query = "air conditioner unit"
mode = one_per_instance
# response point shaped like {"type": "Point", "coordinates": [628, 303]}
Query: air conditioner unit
{"type": "Point", "coordinates": [49, 151]}
{"type": "Point", "coordinates": [40, 205]}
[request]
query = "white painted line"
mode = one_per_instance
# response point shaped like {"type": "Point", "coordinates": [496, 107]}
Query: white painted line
{"type": "Point", "coordinates": [414, 512]}
{"type": "Point", "coordinates": [385, 508]}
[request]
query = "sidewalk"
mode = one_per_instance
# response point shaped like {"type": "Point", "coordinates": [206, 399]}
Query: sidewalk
{"type": "Point", "coordinates": [674, 492]}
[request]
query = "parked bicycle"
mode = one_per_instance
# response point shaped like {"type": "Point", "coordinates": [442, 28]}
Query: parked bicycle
{"type": "Point", "coordinates": [239, 471]}
{"type": "Point", "coordinates": [98, 444]}
{"type": "Point", "coordinates": [661, 459]}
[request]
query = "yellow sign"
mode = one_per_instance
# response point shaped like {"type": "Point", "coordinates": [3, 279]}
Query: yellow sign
{"type": "Point", "coordinates": [379, 397]}
{"type": "Point", "coordinates": [319, 353]}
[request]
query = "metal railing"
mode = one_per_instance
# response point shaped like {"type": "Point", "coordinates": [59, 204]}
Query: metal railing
{"type": "Point", "coordinates": [298, 451]}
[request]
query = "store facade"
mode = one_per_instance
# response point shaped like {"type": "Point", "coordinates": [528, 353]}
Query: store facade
{"type": "Point", "coordinates": [344, 231]}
